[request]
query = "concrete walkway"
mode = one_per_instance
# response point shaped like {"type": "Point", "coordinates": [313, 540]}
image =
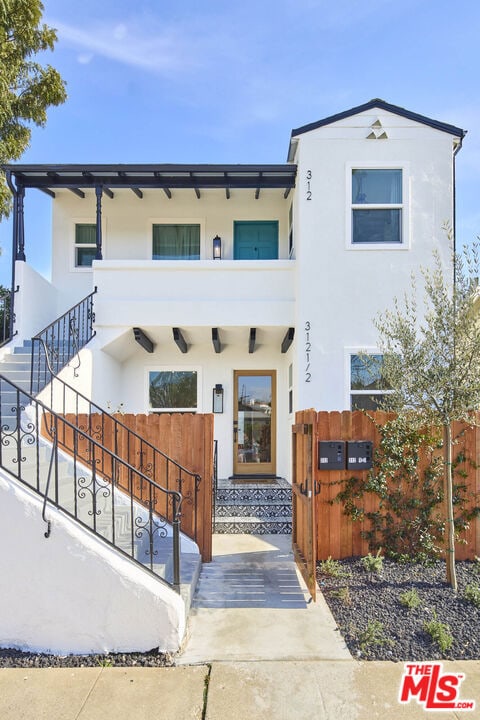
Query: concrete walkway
{"type": "Point", "coordinates": [251, 604]}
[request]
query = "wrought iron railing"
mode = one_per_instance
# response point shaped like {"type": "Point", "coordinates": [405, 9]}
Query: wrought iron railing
{"type": "Point", "coordinates": [58, 343]}
{"type": "Point", "coordinates": [215, 479]}
{"type": "Point", "coordinates": [6, 317]}
{"type": "Point", "coordinates": [89, 482]}
{"type": "Point", "coordinates": [110, 432]}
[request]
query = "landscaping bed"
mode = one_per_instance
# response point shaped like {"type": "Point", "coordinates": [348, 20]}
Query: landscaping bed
{"type": "Point", "coordinates": [11, 658]}
{"type": "Point", "coordinates": [368, 609]}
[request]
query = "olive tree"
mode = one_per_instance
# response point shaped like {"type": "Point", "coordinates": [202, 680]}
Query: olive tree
{"type": "Point", "coordinates": [431, 358]}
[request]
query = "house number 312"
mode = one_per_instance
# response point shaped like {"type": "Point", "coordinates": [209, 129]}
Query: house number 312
{"type": "Point", "coordinates": [309, 189]}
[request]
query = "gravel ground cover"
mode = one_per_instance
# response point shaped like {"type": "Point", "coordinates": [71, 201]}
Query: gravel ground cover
{"type": "Point", "coordinates": [376, 625]}
{"type": "Point", "coordinates": [11, 658]}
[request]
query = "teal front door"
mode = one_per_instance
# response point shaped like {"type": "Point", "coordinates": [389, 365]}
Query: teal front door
{"type": "Point", "coordinates": [255, 240]}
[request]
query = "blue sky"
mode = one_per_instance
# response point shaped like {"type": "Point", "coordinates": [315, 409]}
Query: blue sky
{"type": "Point", "coordinates": [217, 81]}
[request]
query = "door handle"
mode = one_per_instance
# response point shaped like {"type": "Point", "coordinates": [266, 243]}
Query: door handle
{"type": "Point", "coordinates": [235, 430]}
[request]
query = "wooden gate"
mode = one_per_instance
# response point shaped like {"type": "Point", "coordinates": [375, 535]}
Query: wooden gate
{"type": "Point", "coordinates": [304, 533]}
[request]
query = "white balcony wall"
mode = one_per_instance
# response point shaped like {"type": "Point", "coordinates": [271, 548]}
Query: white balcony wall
{"type": "Point", "coordinates": [127, 225]}
{"type": "Point", "coordinates": [210, 292]}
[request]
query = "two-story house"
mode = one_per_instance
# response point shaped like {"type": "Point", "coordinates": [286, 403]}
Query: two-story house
{"type": "Point", "coordinates": [243, 289]}
{"type": "Point", "coordinates": [246, 291]}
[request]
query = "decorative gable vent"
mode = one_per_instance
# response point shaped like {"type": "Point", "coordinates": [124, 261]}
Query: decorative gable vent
{"type": "Point", "coordinates": [376, 131]}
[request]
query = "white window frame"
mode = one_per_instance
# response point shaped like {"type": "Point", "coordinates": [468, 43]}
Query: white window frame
{"type": "Point", "coordinates": [178, 221]}
{"type": "Point", "coordinates": [73, 254]}
{"type": "Point", "coordinates": [173, 368]}
{"type": "Point", "coordinates": [404, 206]}
{"type": "Point", "coordinates": [348, 374]}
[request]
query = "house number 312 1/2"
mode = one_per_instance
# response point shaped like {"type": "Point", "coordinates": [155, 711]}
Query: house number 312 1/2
{"type": "Point", "coordinates": [308, 350]}
{"type": "Point", "coordinates": [309, 189]}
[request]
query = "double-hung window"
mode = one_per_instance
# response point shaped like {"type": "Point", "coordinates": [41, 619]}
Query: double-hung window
{"type": "Point", "coordinates": [176, 242]}
{"type": "Point", "coordinates": [85, 244]}
{"type": "Point", "coordinates": [368, 387]}
{"type": "Point", "coordinates": [377, 206]}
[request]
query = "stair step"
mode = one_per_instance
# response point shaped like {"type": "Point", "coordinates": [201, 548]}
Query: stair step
{"type": "Point", "coordinates": [249, 526]}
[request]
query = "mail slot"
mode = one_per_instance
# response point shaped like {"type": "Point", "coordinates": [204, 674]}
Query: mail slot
{"type": "Point", "coordinates": [331, 455]}
{"type": "Point", "coordinates": [359, 455]}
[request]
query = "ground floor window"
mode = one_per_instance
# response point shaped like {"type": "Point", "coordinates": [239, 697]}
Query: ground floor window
{"type": "Point", "coordinates": [368, 388]}
{"type": "Point", "coordinates": [173, 390]}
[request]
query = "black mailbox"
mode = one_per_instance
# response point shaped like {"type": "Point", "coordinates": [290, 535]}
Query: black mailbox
{"type": "Point", "coordinates": [331, 455]}
{"type": "Point", "coordinates": [359, 455]}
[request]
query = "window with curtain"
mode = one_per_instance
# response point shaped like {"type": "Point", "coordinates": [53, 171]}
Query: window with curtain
{"type": "Point", "coordinates": [377, 205]}
{"type": "Point", "coordinates": [85, 244]}
{"type": "Point", "coordinates": [176, 242]}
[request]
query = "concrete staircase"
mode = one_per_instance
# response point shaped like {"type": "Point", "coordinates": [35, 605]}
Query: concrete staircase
{"type": "Point", "coordinates": [254, 508]}
{"type": "Point", "coordinates": [106, 510]}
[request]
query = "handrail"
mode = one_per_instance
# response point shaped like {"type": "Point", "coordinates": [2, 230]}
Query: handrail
{"type": "Point", "coordinates": [53, 454]}
{"type": "Point", "coordinates": [61, 341]}
{"type": "Point", "coordinates": [6, 317]}
{"type": "Point", "coordinates": [100, 486]}
{"type": "Point", "coordinates": [151, 460]}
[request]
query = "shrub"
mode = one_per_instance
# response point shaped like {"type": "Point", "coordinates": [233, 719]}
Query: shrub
{"type": "Point", "coordinates": [440, 633]}
{"type": "Point", "coordinates": [410, 599]}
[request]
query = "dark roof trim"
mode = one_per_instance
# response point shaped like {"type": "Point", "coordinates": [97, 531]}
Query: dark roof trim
{"type": "Point", "coordinates": [381, 105]}
{"type": "Point", "coordinates": [154, 176]}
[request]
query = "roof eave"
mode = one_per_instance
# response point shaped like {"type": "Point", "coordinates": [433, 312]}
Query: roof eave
{"type": "Point", "coordinates": [381, 105]}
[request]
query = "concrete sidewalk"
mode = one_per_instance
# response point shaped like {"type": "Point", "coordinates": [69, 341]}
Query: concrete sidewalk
{"type": "Point", "coordinates": [315, 690]}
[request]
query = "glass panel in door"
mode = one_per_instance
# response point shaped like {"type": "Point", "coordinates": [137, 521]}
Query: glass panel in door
{"type": "Point", "coordinates": [254, 422]}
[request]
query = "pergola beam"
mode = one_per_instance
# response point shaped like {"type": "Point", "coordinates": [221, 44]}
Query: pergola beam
{"type": "Point", "coordinates": [143, 340]}
{"type": "Point", "coordinates": [288, 339]}
{"type": "Point", "coordinates": [180, 340]}
{"type": "Point", "coordinates": [216, 340]}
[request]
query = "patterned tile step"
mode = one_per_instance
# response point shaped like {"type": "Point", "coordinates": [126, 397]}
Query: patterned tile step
{"type": "Point", "coordinates": [258, 511]}
{"type": "Point", "coordinates": [253, 494]}
{"type": "Point", "coordinates": [253, 528]}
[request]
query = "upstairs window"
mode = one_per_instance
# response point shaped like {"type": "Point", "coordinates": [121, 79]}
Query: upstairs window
{"type": "Point", "coordinates": [377, 206]}
{"type": "Point", "coordinates": [85, 244]}
{"type": "Point", "coordinates": [176, 242]}
{"type": "Point", "coordinates": [368, 387]}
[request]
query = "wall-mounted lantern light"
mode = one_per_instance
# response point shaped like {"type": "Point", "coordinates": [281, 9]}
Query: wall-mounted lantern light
{"type": "Point", "coordinates": [217, 248]}
{"type": "Point", "coordinates": [217, 399]}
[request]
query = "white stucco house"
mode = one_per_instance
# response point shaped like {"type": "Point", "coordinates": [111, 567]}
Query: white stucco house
{"type": "Point", "coordinates": [243, 290]}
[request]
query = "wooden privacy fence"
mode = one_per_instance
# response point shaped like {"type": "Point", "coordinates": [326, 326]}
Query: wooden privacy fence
{"type": "Point", "coordinates": [337, 535]}
{"type": "Point", "coordinates": [186, 439]}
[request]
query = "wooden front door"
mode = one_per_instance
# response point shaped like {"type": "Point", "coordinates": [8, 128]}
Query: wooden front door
{"type": "Point", "coordinates": [304, 539]}
{"type": "Point", "coordinates": [254, 422]}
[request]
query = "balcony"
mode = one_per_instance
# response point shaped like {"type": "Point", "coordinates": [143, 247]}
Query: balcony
{"type": "Point", "coordinates": [194, 293]}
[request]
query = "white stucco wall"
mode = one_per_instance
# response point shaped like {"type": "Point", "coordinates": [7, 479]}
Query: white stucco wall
{"type": "Point", "coordinates": [341, 288]}
{"type": "Point", "coordinates": [70, 593]}
{"type": "Point", "coordinates": [36, 302]}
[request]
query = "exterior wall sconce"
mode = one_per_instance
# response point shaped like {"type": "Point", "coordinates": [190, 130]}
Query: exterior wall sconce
{"type": "Point", "coordinates": [217, 248]}
{"type": "Point", "coordinates": [218, 399]}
